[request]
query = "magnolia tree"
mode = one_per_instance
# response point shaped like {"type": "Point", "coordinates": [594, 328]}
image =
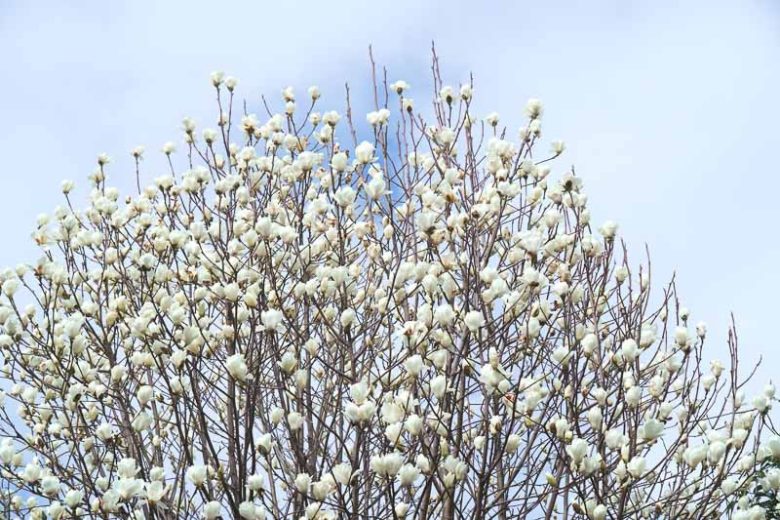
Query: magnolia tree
{"type": "Point", "coordinates": [421, 322]}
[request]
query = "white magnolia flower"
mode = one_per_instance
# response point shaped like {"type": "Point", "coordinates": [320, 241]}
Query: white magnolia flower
{"type": "Point", "coordinates": [342, 473]}
{"type": "Point", "coordinates": [236, 367]}
{"type": "Point", "coordinates": [608, 229]}
{"type": "Point", "coordinates": [295, 420]}
{"type": "Point", "coordinates": [155, 491]}
{"type": "Point", "coordinates": [364, 152]}
{"type": "Point", "coordinates": [694, 455]}
{"type": "Point", "coordinates": [345, 196]}
{"type": "Point", "coordinates": [599, 512]}
{"type": "Point", "coordinates": [376, 187]}
{"type": "Point", "coordinates": [652, 429]}
{"type": "Point", "coordinates": [636, 467]}
{"type": "Point", "coordinates": [73, 498]}
{"type": "Point", "coordinates": [272, 319]}
{"type": "Point", "coordinates": [50, 485]}
{"type": "Point", "coordinates": [474, 320]}
{"type": "Point", "coordinates": [247, 510]}
{"type": "Point", "coordinates": [302, 483]}
{"type": "Point", "coordinates": [761, 403]}
{"type": "Point", "coordinates": [577, 450]}
{"type": "Point", "coordinates": [197, 475]}
{"type": "Point", "coordinates": [399, 86]}
{"type": "Point", "coordinates": [414, 365]}
{"type": "Point", "coordinates": [256, 482]}
{"type": "Point", "coordinates": [212, 510]}
{"type": "Point", "coordinates": [534, 108]}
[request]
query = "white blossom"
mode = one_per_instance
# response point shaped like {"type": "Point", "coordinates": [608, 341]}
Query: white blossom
{"type": "Point", "coordinates": [286, 323]}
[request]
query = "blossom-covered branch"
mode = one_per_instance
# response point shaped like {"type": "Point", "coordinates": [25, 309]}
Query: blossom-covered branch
{"type": "Point", "coordinates": [422, 324]}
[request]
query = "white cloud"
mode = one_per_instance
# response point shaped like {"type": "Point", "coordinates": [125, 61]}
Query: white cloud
{"type": "Point", "coordinates": [669, 111]}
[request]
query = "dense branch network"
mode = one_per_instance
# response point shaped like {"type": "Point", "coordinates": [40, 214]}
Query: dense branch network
{"type": "Point", "coordinates": [422, 324]}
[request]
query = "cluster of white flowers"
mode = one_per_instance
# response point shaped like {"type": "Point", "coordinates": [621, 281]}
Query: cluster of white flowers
{"type": "Point", "coordinates": [424, 325]}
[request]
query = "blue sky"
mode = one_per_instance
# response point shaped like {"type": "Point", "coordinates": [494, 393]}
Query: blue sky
{"type": "Point", "coordinates": [670, 110]}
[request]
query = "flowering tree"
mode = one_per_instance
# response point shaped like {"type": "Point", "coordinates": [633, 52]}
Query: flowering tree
{"type": "Point", "coordinates": [421, 324]}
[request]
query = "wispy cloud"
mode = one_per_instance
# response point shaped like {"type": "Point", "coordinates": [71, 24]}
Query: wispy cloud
{"type": "Point", "coordinates": [669, 110]}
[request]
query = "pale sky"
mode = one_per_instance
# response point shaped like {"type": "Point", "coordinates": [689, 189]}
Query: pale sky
{"type": "Point", "coordinates": [670, 110]}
